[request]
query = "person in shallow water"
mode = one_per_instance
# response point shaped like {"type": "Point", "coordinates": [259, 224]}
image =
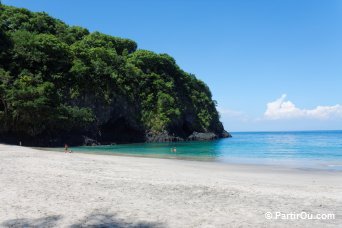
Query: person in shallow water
{"type": "Point", "coordinates": [66, 149]}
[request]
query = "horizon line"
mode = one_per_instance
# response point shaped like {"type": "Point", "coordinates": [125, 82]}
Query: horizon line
{"type": "Point", "coordinates": [279, 131]}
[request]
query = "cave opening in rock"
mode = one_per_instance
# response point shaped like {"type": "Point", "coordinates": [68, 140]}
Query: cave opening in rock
{"type": "Point", "coordinates": [120, 131]}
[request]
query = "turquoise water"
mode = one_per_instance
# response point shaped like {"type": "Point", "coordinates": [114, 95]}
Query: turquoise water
{"type": "Point", "coordinates": [314, 149]}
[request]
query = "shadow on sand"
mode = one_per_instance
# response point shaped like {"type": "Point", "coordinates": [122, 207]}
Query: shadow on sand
{"type": "Point", "coordinates": [94, 220]}
{"type": "Point", "coordinates": [49, 221]}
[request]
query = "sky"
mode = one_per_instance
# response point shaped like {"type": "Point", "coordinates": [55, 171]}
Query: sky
{"type": "Point", "coordinates": [271, 65]}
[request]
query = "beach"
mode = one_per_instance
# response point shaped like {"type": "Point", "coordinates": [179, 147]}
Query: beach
{"type": "Point", "coordinates": [53, 189]}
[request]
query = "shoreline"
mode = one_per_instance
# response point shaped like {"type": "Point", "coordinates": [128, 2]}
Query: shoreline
{"type": "Point", "coordinates": [233, 162]}
{"type": "Point", "coordinates": [63, 190]}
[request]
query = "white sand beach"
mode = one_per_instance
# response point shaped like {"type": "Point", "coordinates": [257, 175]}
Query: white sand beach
{"type": "Point", "coordinates": [53, 189]}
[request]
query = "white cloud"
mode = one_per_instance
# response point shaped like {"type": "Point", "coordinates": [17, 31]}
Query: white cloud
{"type": "Point", "coordinates": [284, 109]}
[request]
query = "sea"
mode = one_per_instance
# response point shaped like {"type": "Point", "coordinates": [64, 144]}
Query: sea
{"type": "Point", "coordinates": [299, 149]}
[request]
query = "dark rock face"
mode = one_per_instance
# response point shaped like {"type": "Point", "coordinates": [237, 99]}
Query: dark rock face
{"type": "Point", "coordinates": [78, 139]}
{"type": "Point", "coordinates": [225, 134]}
{"type": "Point", "coordinates": [90, 142]}
{"type": "Point", "coordinates": [162, 137]}
{"type": "Point", "coordinates": [198, 136]}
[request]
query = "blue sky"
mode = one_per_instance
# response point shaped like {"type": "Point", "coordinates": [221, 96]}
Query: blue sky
{"type": "Point", "coordinates": [250, 53]}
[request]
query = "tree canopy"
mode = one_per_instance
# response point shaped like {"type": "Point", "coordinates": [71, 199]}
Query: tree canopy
{"type": "Point", "coordinates": [57, 80]}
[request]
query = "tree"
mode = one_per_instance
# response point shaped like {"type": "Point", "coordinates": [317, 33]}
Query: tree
{"type": "Point", "coordinates": [4, 84]}
{"type": "Point", "coordinates": [40, 53]}
{"type": "Point", "coordinates": [31, 103]}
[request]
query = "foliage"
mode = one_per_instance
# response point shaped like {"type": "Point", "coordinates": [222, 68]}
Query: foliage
{"type": "Point", "coordinates": [57, 78]}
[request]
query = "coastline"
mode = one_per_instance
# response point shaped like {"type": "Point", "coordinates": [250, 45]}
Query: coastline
{"type": "Point", "coordinates": [57, 189]}
{"type": "Point", "coordinates": [303, 164]}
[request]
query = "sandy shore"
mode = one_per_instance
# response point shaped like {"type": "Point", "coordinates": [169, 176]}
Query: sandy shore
{"type": "Point", "coordinates": [52, 189]}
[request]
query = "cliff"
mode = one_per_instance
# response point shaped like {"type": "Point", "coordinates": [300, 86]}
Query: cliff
{"type": "Point", "coordinates": [63, 84]}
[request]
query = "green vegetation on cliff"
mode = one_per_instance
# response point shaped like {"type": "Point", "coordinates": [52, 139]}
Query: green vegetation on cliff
{"type": "Point", "coordinates": [58, 82]}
